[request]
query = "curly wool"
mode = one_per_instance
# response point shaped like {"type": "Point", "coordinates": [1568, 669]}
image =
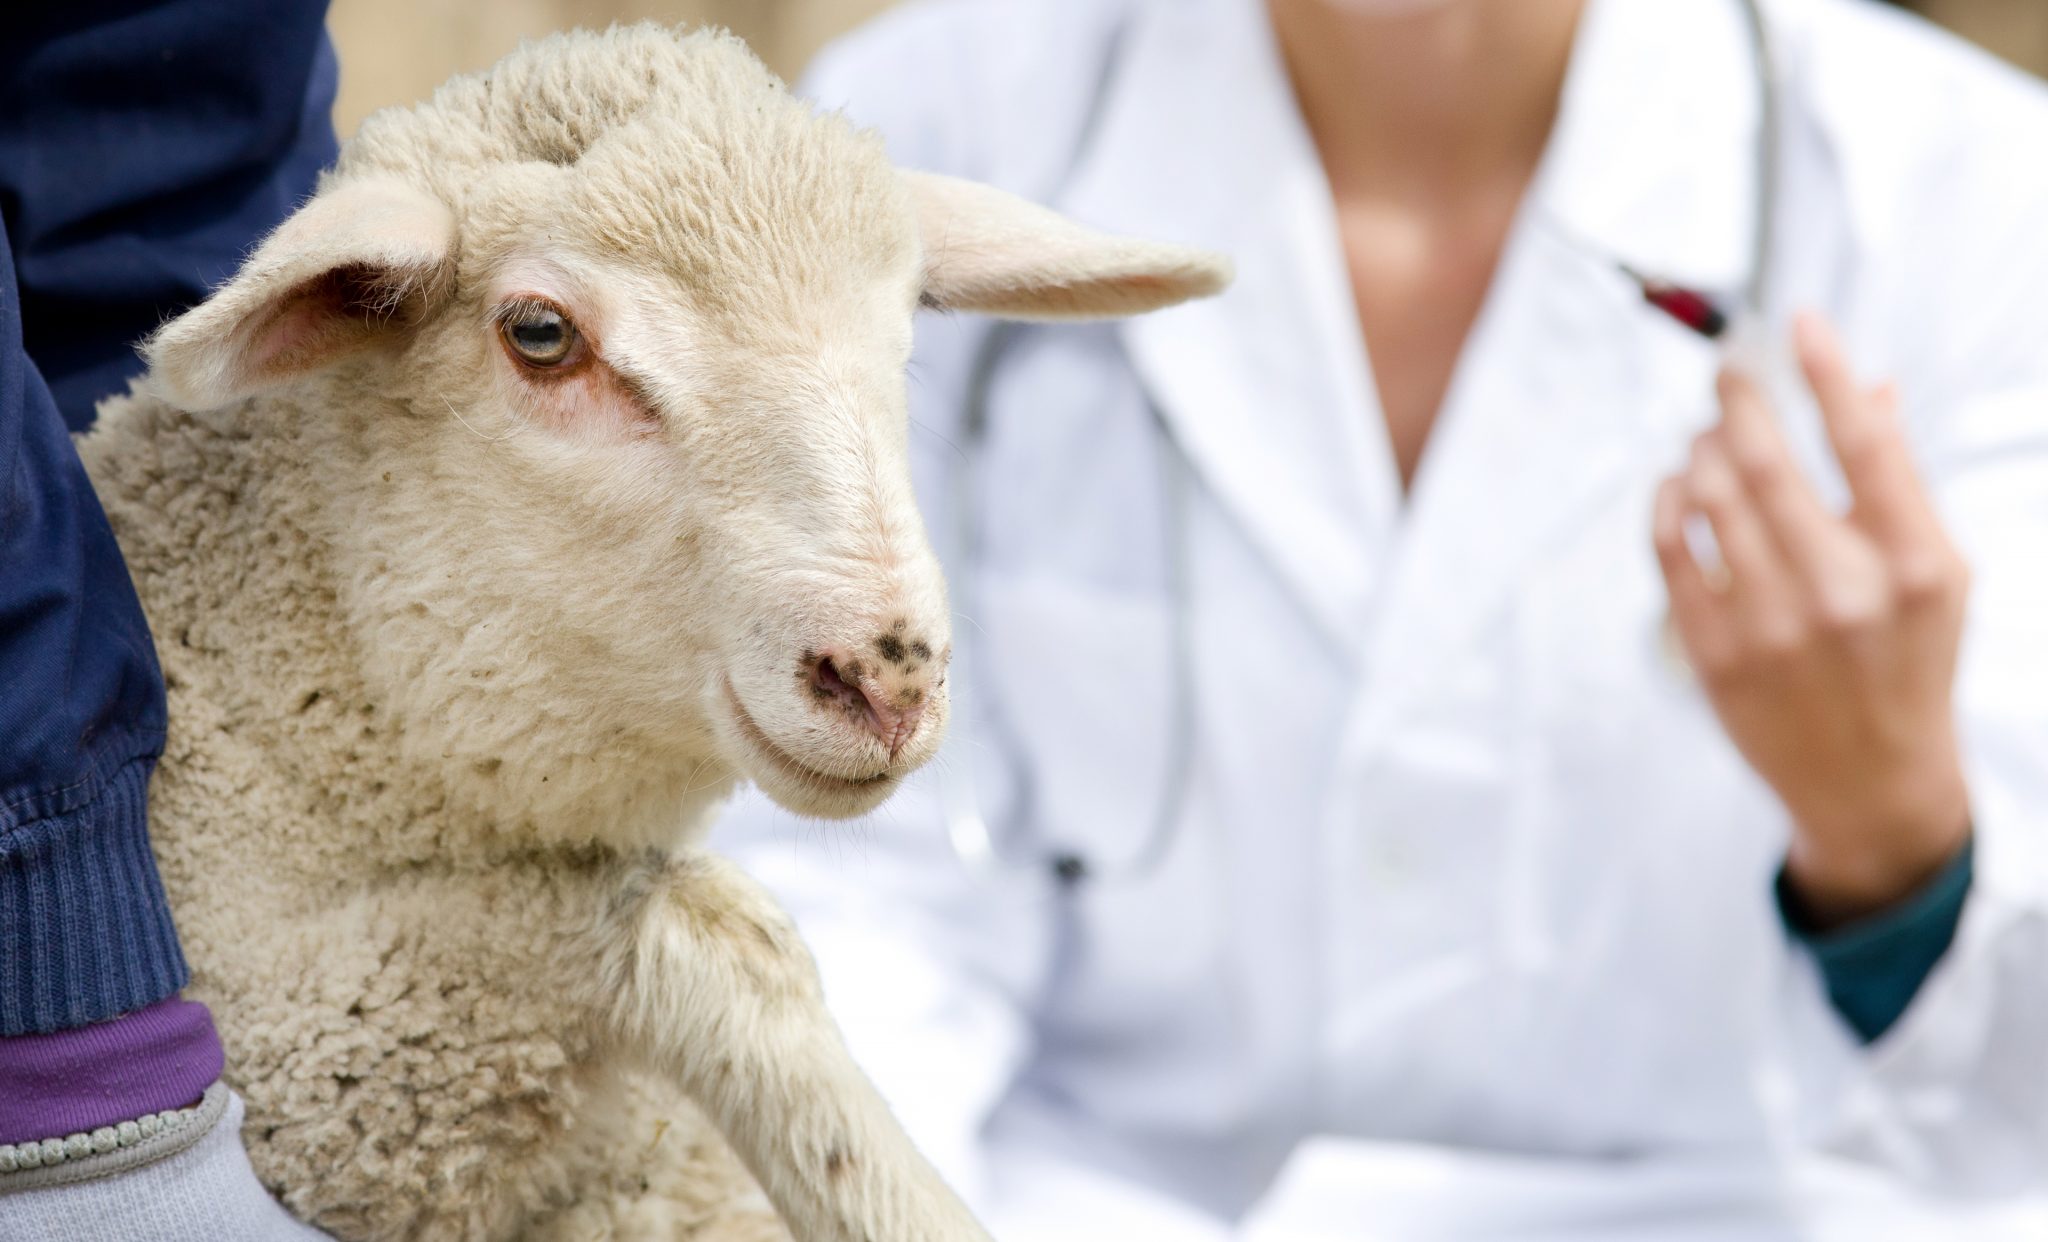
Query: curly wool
{"type": "Point", "coordinates": [398, 1084]}
{"type": "Point", "coordinates": [395, 960]}
{"type": "Point", "coordinates": [699, 160]}
{"type": "Point", "coordinates": [462, 654]}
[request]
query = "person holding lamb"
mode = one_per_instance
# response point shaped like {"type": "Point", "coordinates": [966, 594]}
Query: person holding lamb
{"type": "Point", "coordinates": [141, 154]}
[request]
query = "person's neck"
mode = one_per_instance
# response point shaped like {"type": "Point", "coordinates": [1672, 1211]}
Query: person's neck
{"type": "Point", "coordinates": [1434, 105]}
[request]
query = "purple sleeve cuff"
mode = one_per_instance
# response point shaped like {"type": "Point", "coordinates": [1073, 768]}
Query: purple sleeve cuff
{"type": "Point", "coordinates": [157, 1058]}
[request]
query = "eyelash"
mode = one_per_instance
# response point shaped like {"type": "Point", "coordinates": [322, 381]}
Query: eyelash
{"type": "Point", "coordinates": [525, 310]}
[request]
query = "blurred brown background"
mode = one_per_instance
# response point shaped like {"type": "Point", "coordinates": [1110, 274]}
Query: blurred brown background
{"type": "Point", "coordinates": [394, 51]}
{"type": "Point", "coordinates": [2015, 29]}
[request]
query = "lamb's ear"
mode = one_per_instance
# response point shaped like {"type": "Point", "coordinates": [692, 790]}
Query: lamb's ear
{"type": "Point", "coordinates": [358, 264]}
{"type": "Point", "coordinates": [995, 253]}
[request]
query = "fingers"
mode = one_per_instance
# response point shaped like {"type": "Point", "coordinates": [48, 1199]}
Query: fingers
{"type": "Point", "coordinates": [1890, 502]}
{"type": "Point", "coordinates": [1747, 603]}
{"type": "Point", "coordinates": [1703, 626]}
{"type": "Point", "coordinates": [1831, 564]}
{"type": "Point", "coordinates": [1801, 526]}
{"type": "Point", "coordinates": [1786, 561]}
{"type": "Point", "coordinates": [1715, 491]}
{"type": "Point", "coordinates": [1863, 427]}
{"type": "Point", "coordinates": [1793, 575]}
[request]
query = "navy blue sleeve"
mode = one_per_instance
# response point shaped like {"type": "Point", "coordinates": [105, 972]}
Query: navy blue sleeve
{"type": "Point", "coordinates": [143, 149]}
{"type": "Point", "coordinates": [1873, 968]}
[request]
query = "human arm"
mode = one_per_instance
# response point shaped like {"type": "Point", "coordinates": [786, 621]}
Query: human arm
{"type": "Point", "coordinates": [1827, 643]}
{"type": "Point", "coordinates": [89, 933]}
{"type": "Point", "coordinates": [118, 196]}
{"type": "Point", "coordinates": [142, 148]}
{"type": "Point", "coordinates": [1896, 712]}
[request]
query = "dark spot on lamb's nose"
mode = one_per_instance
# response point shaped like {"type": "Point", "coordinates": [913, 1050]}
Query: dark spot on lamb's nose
{"type": "Point", "coordinates": [921, 649]}
{"type": "Point", "coordinates": [891, 648]}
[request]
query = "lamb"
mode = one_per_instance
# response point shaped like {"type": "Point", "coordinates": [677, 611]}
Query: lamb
{"type": "Point", "coordinates": [544, 476]}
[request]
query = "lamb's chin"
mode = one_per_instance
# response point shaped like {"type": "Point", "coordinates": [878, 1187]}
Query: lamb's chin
{"type": "Point", "coordinates": [819, 797]}
{"type": "Point", "coordinates": [802, 790]}
{"type": "Point", "coordinates": [791, 783]}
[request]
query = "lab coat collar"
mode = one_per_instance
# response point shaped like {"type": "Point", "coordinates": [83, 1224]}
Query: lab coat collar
{"type": "Point", "coordinates": [1197, 139]}
{"type": "Point", "coordinates": [1653, 156]}
{"type": "Point", "coordinates": [1267, 389]}
{"type": "Point", "coordinates": [1570, 390]}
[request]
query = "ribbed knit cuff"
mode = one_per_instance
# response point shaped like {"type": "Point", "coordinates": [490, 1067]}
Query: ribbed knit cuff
{"type": "Point", "coordinates": [1874, 967]}
{"type": "Point", "coordinates": [85, 930]}
{"type": "Point", "coordinates": [160, 1057]}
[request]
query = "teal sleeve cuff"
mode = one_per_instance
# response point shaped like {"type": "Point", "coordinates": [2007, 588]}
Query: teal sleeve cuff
{"type": "Point", "coordinates": [1875, 966]}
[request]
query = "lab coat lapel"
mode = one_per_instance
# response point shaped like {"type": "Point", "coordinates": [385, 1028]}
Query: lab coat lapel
{"type": "Point", "coordinates": [1569, 388]}
{"type": "Point", "coordinates": [1263, 388]}
{"type": "Point", "coordinates": [1267, 390]}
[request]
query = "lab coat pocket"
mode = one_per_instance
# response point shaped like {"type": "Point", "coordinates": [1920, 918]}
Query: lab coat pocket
{"type": "Point", "coordinates": [1086, 710]}
{"type": "Point", "coordinates": [1075, 680]}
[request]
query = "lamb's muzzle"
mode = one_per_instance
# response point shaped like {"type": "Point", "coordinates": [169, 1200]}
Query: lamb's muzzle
{"type": "Point", "coordinates": [869, 716]}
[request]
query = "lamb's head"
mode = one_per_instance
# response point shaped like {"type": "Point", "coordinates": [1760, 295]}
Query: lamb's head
{"type": "Point", "coordinates": [609, 347]}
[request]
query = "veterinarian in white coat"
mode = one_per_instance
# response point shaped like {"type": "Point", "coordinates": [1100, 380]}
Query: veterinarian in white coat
{"type": "Point", "coordinates": [1465, 923]}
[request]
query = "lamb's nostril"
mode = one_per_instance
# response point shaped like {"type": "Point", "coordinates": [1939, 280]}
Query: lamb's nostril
{"type": "Point", "coordinates": [829, 684]}
{"type": "Point", "coordinates": [882, 700]}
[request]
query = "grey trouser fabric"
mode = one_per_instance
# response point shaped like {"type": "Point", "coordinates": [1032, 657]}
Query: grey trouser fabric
{"type": "Point", "coordinates": [198, 1188]}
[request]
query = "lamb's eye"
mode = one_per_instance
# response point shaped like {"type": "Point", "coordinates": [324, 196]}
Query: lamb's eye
{"type": "Point", "coordinates": [541, 336]}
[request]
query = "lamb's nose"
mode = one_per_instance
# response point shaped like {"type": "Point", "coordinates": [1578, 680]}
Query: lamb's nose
{"type": "Point", "coordinates": [886, 695]}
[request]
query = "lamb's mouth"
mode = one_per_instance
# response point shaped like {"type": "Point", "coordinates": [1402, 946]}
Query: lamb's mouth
{"type": "Point", "coordinates": [788, 764]}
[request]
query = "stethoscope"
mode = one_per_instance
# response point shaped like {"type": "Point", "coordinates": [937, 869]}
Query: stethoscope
{"type": "Point", "coordinates": [967, 826]}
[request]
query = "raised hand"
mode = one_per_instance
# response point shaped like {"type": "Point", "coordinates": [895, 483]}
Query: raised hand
{"type": "Point", "coordinates": [1827, 642]}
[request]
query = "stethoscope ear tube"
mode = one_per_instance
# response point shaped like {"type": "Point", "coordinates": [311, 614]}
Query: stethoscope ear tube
{"type": "Point", "coordinates": [967, 826]}
{"type": "Point", "coordinates": [1693, 310]}
{"type": "Point", "coordinates": [1770, 144]}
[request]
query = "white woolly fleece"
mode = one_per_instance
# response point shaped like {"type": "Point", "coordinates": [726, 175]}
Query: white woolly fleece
{"type": "Point", "coordinates": [462, 655]}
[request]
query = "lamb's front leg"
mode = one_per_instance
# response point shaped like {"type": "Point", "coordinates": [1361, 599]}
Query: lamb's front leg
{"type": "Point", "coordinates": [710, 983]}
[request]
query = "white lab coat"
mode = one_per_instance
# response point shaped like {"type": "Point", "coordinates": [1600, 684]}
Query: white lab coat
{"type": "Point", "coordinates": [1467, 873]}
